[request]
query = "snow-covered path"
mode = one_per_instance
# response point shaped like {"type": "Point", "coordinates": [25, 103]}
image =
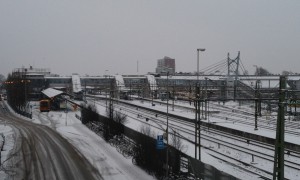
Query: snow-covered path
{"type": "Point", "coordinates": [109, 162]}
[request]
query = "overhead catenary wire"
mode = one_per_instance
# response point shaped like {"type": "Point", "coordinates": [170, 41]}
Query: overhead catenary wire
{"type": "Point", "coordinates": [214, 67]}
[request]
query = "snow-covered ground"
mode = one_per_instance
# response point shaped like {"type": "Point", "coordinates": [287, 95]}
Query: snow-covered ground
{"type": "Point", "coordinates": [188, 148]}
{"type": "Point", "coordinates": [205, 157]}
{"type": "Point", "coordinates": [8, 144]}
{"type": "Point", "coordinates": [109, 162]}
{"type": "Point", "coordinates": [250, 129]}
{"type": "Point", "coordinates": [113, 165]}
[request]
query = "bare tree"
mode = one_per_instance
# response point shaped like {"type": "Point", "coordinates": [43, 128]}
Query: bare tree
{"type": "Point", "coordinates": [288, 73]}
{"type": "Point", "coordinates": [176, 141]}
{"type": "Point", "coordinates": [89, 113]}
{"type": "Point", "coordinates": [2, 78]}
{"type": "Point", "coordinates": [147, 131]}
{"type": "Point", "coordinates": [260, 71]}
{"type": "Point", "coordinates": [246, 73]}
{"type": "Point", "coordinates": [120, 117]}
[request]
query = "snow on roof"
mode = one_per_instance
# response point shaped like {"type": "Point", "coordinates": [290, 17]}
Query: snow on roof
{"type": "Point", "coordinates": [57, 77]}
{"type": "Point", "coordinates": [50, 92]}
{"type": "Point", "coordinates": [34, 74]}
{"type": "Point", "coordinates": [119, 78]}
{"type": "Point", "coordinates": [120, 83]}
{"type": "Point", "coordinates": [295, 78]}
{"type": "Point", "coordinates": [193, 77]}
{"type": "Point", "coordinates": [271, 83]}
{"type": "Point", "coordinates": [76, 83]}
{"type": "Point", "coordinates": [152, 81]}
{"type": "Point", "coordinates": [58, 87]}
{"type": "Point", "coordinates": [259, 77]}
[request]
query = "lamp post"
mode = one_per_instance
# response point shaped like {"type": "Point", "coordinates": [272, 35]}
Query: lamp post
{"type": "Point", "coordinates": [152, 93]}
{"type": "Point", "coordinates": [25, 95]}
{"type": "Point", "coordinates": [197, 112]}
{"type": "Point", "coordinates": [30, 111]}
{"type": "Point", "coordinates": [106, 88]}
{"type": "Point", "coordinates": [167, 130]}
{"type": "Point", "coordinates": [257, 73]}
{"type": "Point", "coordinates": [198, 50]}
{"type": "Point", "coordinates": [173, 96]}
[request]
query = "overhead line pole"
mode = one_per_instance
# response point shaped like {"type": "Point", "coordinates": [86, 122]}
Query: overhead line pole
{"type": "Point", "coordinates": [278, 170]}
{"type": "Point", "coordinates": [256, 105]}
{"type": "Point", "coordinates": [173, 96]}
{"type": "Point", "coordinates": [197, 123]}
{"type": "Point", "coordinates": [197, 108]}
{"type": "Point", "coordinates": [167, 130]}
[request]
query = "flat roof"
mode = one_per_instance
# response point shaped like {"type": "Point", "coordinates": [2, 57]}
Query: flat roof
{"type": "Point", "coordinates": [51, 93]}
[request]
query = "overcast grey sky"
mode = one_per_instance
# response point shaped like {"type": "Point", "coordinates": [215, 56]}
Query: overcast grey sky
{"type": "Point", "coordinates": [91, 36]}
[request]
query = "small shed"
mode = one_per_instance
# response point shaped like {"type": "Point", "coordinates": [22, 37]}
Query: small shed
{"type": "Point", "coordinates": [56, 97]}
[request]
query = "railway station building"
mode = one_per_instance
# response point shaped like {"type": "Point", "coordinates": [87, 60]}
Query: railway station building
{"type": "Point", "coordinates": [148, 86]}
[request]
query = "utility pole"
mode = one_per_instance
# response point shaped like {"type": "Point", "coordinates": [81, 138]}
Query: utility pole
{"type": "Point", "coordinates": [106, 89]}
{"type": "Point", "coordinates": [197, 108]}
{"type": "Point", "coordinates": [197, 123]}
{"type": "Point", "coordinates": [130, 90]}
{"type": "Point", "coordinates": [190, 93]}
{"type": "Point", "coordinates": [173, 95]}
{"type": "Point", "coordinates": [152, 94]}
{"type": "Point", "coordinates": [202, 102]}
{"type": "Point", "coordinates": [256, 105]}
{"type": "Point", "coordinates": [25, 90]}
{"type": "Point", "coordinates": [111, 110]}
{"type": "Point", "coordinates": [167, 130]}
{"type": "Point", "coordinates": [278, 170]}
{"type": "Point", "coordinates": [198, 50]}
{"type": "Point", "coordinates": [205, 98]}
{"type": "Point", "coordinates": [85, 90]}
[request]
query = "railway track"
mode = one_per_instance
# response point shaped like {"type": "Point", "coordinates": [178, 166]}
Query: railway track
{"type": "Point", "coordinates": [242, 116]}
{"type": "Point", "coordinates": [245, 117]}
{"type": "Point", "coordinates": [213, 139]}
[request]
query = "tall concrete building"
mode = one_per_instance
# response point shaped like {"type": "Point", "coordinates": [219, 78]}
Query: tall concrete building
{"type": "Point", "coordinates": [165, 65]}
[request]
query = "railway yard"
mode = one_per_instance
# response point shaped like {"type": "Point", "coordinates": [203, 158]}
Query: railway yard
{"type": "Point", "coordinates": [239, 150]}
{"type": "Point", "coordinates": [243, 153]}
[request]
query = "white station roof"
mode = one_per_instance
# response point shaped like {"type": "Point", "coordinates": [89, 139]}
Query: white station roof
{"type": "Point", "coordinates": [50, 92]}
{"type": "Point", "coordinates": [76, 83]}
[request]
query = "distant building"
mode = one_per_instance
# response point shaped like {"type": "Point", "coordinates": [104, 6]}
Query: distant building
{"type": "Point", "coordinates": [31, 72]}
{"type": "Point", "coordinates": [165, 65]}
{"type": "Point", "coordinates": [34, 79]}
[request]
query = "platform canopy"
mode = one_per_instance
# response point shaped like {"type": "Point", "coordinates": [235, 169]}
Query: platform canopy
{"type": "Point", "coordinates": [51, 93]}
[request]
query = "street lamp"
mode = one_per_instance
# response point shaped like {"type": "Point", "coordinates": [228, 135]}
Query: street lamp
{"type": "Point", "coordinates": [167, 130]}
{"type": "Point", "coordinates": [152, 93]}
{"type": "Point", "coordinates": [173, 96]}
{"type": "Point", "coordinates": [30, 111]}
{"type": "Point", "coordinates": [257, 73]}
{"type": "Point", "coordinates": [25, 95]}
{"type": "Point", "coordinates": [106, 88]}
{"type": "Point", "coordinates": [197, 112]}
{"type": "Point", "coordinates": [199, 49]}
